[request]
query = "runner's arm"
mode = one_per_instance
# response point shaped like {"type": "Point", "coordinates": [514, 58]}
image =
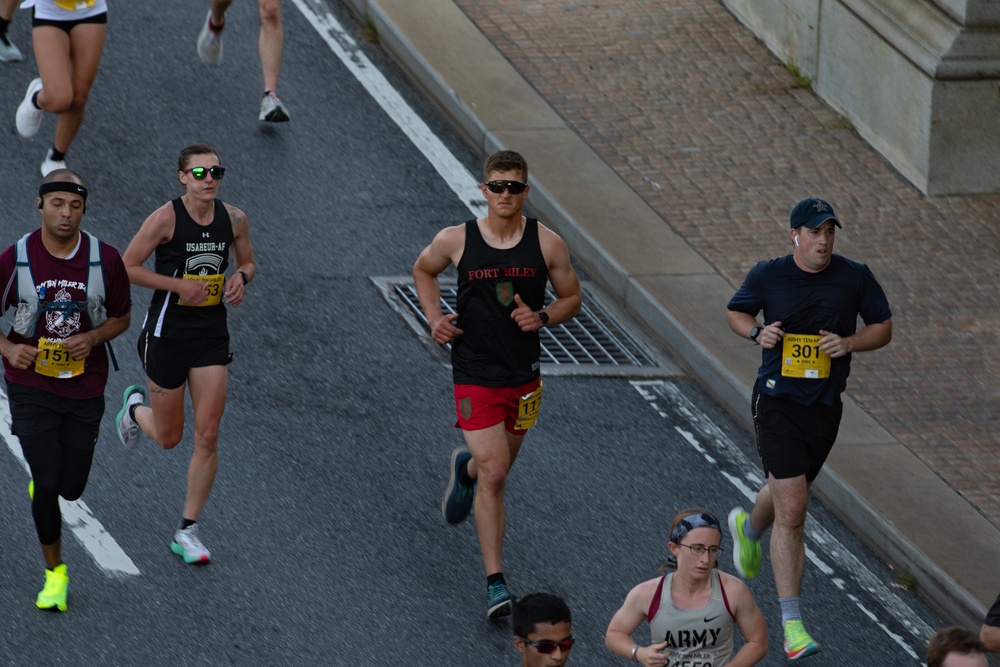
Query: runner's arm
{"type": "Point", "coordinates": [618, 637]}
{"type": "Point", "coordinates": [871, 337]}
{"type": "Point", "coordinates": [80, 345]}
{"type": "Point", "coordinates": [243, 256]}
{"type": "Point", "coordinates": [435, 258]}
{"type": "Point", "coordinates": [156, 230]}
{"type": "Point", "coordinates": [563, 277]}
{"type": "Point", "coordinates": [750, 622]}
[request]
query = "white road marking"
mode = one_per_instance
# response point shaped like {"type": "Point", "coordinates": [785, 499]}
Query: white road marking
{"type": "Point", "coordinates": [861, 577]}
{"type": "Point", "coordinates": [95, 539]}
{"type": "Point", "coordinates": [458, 178]}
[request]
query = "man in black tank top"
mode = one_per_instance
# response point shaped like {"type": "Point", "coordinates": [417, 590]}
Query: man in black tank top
{"type": "Point", "coordinates": [504, 261]}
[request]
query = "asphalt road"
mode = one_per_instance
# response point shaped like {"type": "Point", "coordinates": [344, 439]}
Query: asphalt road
{"type": "Point", "coordinates": [324, 524]}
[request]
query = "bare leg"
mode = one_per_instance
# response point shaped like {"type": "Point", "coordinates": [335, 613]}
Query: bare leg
{"type": "Point", "coordinates": [53, 554]}
{"type": "Point", "coordinates": [208, 397]}
{"type": "Point", "coordinates": [69, 97]}
{"type": "Point", "coordinates": [493, 453]}
{"type": "Point", "coordinates": [791, 499]}
{"type": "Point", "coordinates": [219, 8]}
{"type": "Point", "coordinates": [271, 42]}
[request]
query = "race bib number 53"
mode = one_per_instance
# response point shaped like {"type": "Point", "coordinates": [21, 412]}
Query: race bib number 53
{"type": "Point", "coordinates": [55, 361]}
{"type": "Point", "coordinates": [802, 358]}
{"type": "Point", "coordinates": [213, 285]}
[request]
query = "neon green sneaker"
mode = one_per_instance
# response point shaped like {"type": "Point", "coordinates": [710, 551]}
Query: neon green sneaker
{"type": "Point", "coordinates": [798, 643]}
{"type": "Point", "coordinates": [746, 552]}
{"type": "Point", "coordinates": [31, 488]}
{"type": "Point", "coordinates": [53, 595]}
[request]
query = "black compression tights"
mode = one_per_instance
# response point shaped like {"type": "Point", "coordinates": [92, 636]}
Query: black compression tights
{"type": "Point", "coordinates": [60, 461]}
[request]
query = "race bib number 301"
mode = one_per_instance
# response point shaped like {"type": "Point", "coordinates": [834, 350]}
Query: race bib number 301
{"type": "Point", "coordinates": [213, 285]}
{"type": "Point", "coordinates": [802, 358]}
{"type": "Point", "coordinates": [55, 361]}
{"type": "Point", "coordinates": [527, 409]}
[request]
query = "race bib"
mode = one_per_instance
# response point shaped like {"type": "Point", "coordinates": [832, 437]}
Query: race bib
{"type": "Point", "coordinates": [527, 409]}
{"type": "Point", "coordinates": [213, 284]}
{"type": "Point", "coordinates": [55, 360]}
{"type": "Point", "coordinates": [802, 358]}
{"type": "Point", "coordinates": [75, 5]}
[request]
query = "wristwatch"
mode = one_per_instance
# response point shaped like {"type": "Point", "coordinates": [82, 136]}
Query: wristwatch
{"type": "Point", "coordinates": [543, 316]}
{"type": "Point", "coordinates": [755, 332]}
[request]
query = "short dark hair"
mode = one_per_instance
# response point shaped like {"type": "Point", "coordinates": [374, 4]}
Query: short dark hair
{"type": "Point", "coordinates": [505, 161]}
{"type": "Point", "coordinates": [64, 175]}
{"type": "Point", "coordinates": [194, 149]}
{"type": "Point", "coordinates": [538, 608]}
{"type": "Point", "coordinates": [954, 639]}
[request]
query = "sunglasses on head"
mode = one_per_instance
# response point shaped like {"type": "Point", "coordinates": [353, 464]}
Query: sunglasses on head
{"type": "Point", "coordinates": [547, 646]}
{"type": "Point", "coordinates": [200, 172]}
{"type": "Point", "coordinates": [497, 187]}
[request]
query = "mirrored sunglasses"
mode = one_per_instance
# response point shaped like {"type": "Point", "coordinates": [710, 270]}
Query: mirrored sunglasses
{"type": "Point", "coordinates": [199, 173]}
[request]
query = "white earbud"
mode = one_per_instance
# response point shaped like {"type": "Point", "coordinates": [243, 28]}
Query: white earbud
{"type": "Point", "coordinates": [796, 240]}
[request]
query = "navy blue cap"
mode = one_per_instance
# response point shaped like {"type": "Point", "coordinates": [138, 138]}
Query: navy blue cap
{"type": "Point", "coordinates": [811, 213]}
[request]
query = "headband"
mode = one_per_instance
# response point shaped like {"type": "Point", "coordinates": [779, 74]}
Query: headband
{"type": "Point", "coordinates": [62, 186]}
{"type": "Point", "coordinates": [692, 521]}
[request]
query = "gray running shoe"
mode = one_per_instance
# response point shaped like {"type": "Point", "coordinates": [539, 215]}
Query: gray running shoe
{"type": "Point", "coordinates": [29, 117]}
{"type": "Point", "coordinates": [272, 110]}
{"type": "Point", "coordinates": [49, 165]}
{"type": "Point", "coordinates": [8, 52]}
{"type": "Point", "coordinates": [187, 545]}
{"type": "Point", "coordinates": [210, 43]}
{"type": "Point", "coordinates": [128, 430]}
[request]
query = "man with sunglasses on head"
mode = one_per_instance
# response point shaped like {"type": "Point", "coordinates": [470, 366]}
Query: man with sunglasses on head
{"type": "Point", "coordinates": [811, 301]}
{"type": "Point", "coordinates": [504, 261]}
{"type": "Point", "coordinates": [542, 630]}
{"type": "Point", "coordinates": [71, 295]}
{"type": "Point", "coordinates": [185, 338]}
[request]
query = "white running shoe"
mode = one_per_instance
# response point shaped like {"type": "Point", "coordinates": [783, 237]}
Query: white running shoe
{"type": "Point", "coordinates": [272, 109]}
{"type": "Point", "coordinates": [8, 52]}
{"type": "Point", "coordinates": [49, 165]}
{"type": "Point", "coordinates": [29, 117]}
{"type": "Point", "coordinates": [128, 429]}
{"type": "Point", "coordinates": [187, 545]}
{"type": "Point", "coordinates": [210, 43]}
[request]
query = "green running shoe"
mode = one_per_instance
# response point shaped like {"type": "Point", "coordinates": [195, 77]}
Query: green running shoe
{"type": "Point", "coordinates": [53, 595]}
{"type": "Point", "coordinates": [746, 552]}
{"type": "Point", "coordinates": [798, 643]}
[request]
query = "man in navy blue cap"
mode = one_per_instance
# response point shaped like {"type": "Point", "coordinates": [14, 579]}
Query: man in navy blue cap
{"type": "Point", "coordinates": [811, 301]}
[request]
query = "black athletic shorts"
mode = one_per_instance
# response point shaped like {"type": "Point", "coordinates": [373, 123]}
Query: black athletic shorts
{"type": "Point", "coordinates": [168, 360]}
{"type": "Point", "coordinates": [66, 26]}
{"type": "Point", "coordinates": [34, 411]}
{"type": "Point", "coordinates": [794, 439]}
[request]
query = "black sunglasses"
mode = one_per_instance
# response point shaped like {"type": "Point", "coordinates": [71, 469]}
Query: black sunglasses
{"type": "Point", "coordinates": [497, 187]}
{"type": "Point", "coordinates": [200, 172]}
{"type": "Point", "coordinates": [547, 646]}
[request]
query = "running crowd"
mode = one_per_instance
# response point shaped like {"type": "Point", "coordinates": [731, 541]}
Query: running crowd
{"type": "Point", "coordinates": [71, 296]}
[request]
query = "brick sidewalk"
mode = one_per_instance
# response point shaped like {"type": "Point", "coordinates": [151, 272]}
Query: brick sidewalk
{"type": "Point", "coordinates": [707, 126]}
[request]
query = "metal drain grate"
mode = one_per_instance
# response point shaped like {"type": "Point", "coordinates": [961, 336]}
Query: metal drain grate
{"type": "Point", "coordinates": [591, 340]}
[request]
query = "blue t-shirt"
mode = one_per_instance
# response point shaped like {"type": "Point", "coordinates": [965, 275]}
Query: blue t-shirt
{"type": "Point", "coordinates": [804, 303]}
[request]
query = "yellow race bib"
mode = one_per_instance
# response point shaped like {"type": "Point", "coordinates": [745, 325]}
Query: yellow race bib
{"type": "Point", "coordinates": [214, 284]}
{"type": "Point", "coordinates": [527, 409]}
{"type": "Point", "coordinates": [55, 360]}
{"type": "Point", "coordinates": [802, 358]}
{"type": "Point", "coordinates": [75, 5]}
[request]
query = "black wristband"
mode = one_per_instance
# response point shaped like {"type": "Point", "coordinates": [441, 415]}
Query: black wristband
{"type": "Point", "coordinates": [245, 279]}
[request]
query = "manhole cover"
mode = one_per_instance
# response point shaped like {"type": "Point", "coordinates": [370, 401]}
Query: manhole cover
{"type": "Point", "coordinates": [593, 342]}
